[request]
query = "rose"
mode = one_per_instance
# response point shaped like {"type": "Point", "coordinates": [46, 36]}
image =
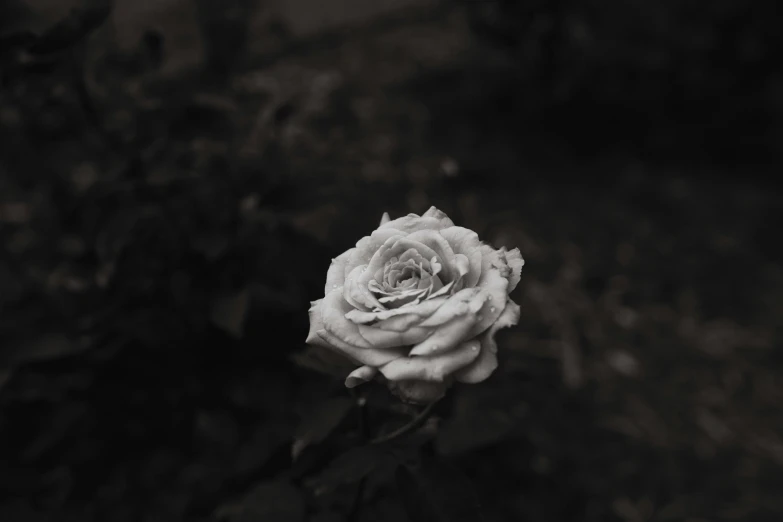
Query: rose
{"type": "Point", "coordinates": [418, 301]}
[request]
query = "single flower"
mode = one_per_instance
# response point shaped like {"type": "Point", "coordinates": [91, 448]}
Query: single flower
{"type": "Point", "coordinates": [419, 302]}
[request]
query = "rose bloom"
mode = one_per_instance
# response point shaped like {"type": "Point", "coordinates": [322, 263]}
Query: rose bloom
{"type": "Point", "coordinates": [418, 301]}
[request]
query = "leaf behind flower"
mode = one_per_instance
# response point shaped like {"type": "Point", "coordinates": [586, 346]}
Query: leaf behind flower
{"type": "Point", "coordinates": [348, 468]}
{"type": "Point", "coordinates": [471, 431]}
{"type": "Point", "coordinates": [323, 360]}
{"type": "Point", "coordinates": [435, 491]}
{"type": "Point", "coordinates": [229, 313]}
{"type": "Point", "coordinates": [317, 423]}
{"type": "Point", "coordinates": [273, 501]}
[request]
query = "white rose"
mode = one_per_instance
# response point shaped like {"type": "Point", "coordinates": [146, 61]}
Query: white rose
{"type": "Point", "coordinates": [418, 301]}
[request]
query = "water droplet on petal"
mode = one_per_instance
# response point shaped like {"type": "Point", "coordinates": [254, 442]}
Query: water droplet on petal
{"type": "Point", "coordinates": [334, 285]}
{"type": "Point", "coordinates": [474, 348]}
{"type": "Point", "coordinates": [492, 309]}
{"type": "Point", "coordinates": [434, 348]}
{"type": "Point", "coordinates": [489, 298]}
{"type": "Point", "coordinates": [479, 317]}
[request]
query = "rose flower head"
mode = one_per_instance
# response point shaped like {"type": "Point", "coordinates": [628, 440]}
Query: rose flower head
{"type": "Point", "coordinates": [419, 302]}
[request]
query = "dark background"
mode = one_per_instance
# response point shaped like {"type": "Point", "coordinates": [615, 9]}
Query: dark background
{"type": "Point", "coordinates": [176, 176]}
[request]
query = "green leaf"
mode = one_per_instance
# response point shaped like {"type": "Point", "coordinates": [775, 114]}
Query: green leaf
{"type": "Point", "coordinates": [434, 491]}
{"type": "Point", "coordinates": [317, 423]}
{"type": "Point", "coordinates": [229, 312]}
{"type": "Point", "coordinates": [471, 431]}
{"type": "Point", "coordinates": [323, 360]}
{"type": "Point", "coordinates": [276, 501]}
{"type": "Point", "coordinates": [348, 468]}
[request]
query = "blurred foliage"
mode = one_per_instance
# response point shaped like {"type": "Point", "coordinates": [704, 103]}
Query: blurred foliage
{"type": "Point", "coordinates": [163, 236]}
{"type": "Point", "coordinates": [671, 78]}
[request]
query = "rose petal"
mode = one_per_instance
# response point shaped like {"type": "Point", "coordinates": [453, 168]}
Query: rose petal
{"type": "Point", "coordinates": [402, 317]}
{"type": "Point", "coordinates": [465, 241]}
{"type": "Point", "coordinates": [462, 264]}
{"type": "Point", "coordinates": [393, 246]}
{"type": "Point", "coordinates": [335, 276]}
{"type": "Point", "coordinates": [444, 290]}
{"type": "Point", "coordinates": [433, 219]}
{"type": "Point", "coordinates": [494, 288]}
{"type": "Point", "coordinates": [385, 339]}
{"type": "Point", "coordinates": [406, 319]}
{"type": "Point", "coordinates": [433, 368]}
{"type": "Point", "coordinates": [406, 243]}
{"type": "Point", "coordinates": [437, 284]}
{"type": "Point", "coordinates": [356, 291]}
{"type": "Point", "coordinates": [316, 323]}
{"type": "Point", "coordinates": [515, 263]}
{"type": "Point", "coordinates": [319, 335]}
{"type": "Point", "coordinates": [403, 298]}
{"type": "Point", "coordinates": [446, 337]}
{"type": "Point", "coordinates": [368, 356]}
{"type": "Point", "coordinates": [440, 215]}
{"type": "Point", "coordinates": [413, 255]}
{"type": "Point", "coordinates": [367, 246]}
{"type": "Point", "coordinates": [442, 249]}
{"type": "Point", "coordinates": [457, 305]}
{"type": "Point", "coordinates": [487, 361]}
{"type": "Point", "coordinates": [333, 309]}
{"type": "Point", "coordinates": [360, 375]}
{"type": "Point", "coordinates": [412, 223]}
{"type": "Point", "coordinates": [497, 259]}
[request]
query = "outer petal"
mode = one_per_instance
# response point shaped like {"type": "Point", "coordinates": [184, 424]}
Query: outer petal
{"type": "Point", "coordinates": [466, 242]}
{"type": "Point", "coordinates": [367, 356]}
{"type": "Point", "coordinates": [333, 309]}
{"type": "Point", "coordinates": [385, 339]}
{"type": "Point", "coordinates": [494, 288]}
{"type": "Point", "coordinates": [360, 375]}
{"type": "Point", "coordinates": [439, 214]}
{"type": "Point", "coordinates": [355, 290]}
{"type": "Point", "coordinates": [487, 361]}
{"type": "Point", "coordinates": [397, 319]}
{"type": "Point", "coordinates": [460, 304]}
{"type": "Point", "coordinates": [316, 324]}
{"type": "Point", "coordinates": [447, 337]}
{"type": "Point", "coordinates": [433, 368]}
{"type": "Point", "coordinates": [335, 276]}
{"type": "Point", "coordinates": [515, 263]}
{"type": "Point", "coordinates": [320, 336]}
{"type": "Point", "coordinates": [433, 219]}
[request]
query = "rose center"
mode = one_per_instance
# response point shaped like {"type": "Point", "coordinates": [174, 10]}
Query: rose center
{"type": "Point", "coordinates": [408, 279]}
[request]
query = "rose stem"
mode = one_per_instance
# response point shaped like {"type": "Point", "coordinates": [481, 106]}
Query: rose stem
{"type": "Point", "coordinates": [414, 424]}
{"type": "Point", "coordinates": [364, 431]}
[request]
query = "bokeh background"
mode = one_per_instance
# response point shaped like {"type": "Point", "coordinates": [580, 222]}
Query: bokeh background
{"type": "Point", "coordinates": [176, 175]}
